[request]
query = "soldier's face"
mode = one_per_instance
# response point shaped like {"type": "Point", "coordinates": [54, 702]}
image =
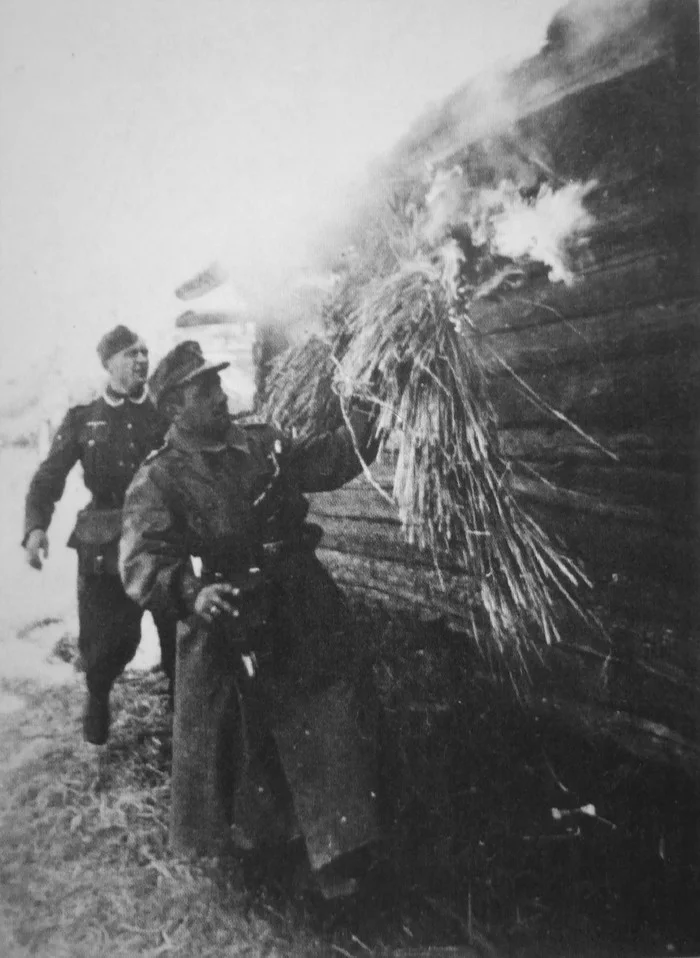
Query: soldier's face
{"type": "Point", "coordinates": [128, 370]}
{"type": "Point", "coordinates": [204, 408]}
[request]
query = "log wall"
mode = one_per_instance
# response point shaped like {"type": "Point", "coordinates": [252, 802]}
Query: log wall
{"type": "Point", "coordinates": [618, 353]}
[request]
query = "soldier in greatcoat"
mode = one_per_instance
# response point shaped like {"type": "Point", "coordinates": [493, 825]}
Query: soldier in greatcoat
{"type": "Point", "coordinates": [110, 437]}
{"type": "Point", "coordinates": [264, 741]}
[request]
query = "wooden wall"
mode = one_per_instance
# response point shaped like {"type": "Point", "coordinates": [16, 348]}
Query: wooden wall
{"type": "Point", "coordinates": [618, 352]}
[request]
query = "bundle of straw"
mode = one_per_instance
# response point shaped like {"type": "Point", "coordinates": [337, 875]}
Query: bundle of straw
{"type": "Point", "coordinates": [299, 395]}
{"type": "Point", "coordinates": [401, 337]}
{"type": "Point", "coordinates": [450, 484]}
{"type": "Point", "coordinates": [301, 389]}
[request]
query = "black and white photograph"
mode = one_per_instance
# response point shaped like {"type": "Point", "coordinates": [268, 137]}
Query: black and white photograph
{"type": "Point", "coordinates": [349, 479]}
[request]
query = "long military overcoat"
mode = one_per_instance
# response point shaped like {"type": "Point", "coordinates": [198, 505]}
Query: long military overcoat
{"type": "Point", "coordinates": [200, 500]}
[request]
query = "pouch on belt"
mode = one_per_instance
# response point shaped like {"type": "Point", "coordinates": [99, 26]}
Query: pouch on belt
{"type": "Point", "coordinates": [96, 538]}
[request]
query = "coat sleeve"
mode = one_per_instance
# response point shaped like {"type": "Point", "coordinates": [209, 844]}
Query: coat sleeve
{"type": "Point", "coordinates": [49, 481]}
{"type": "Point", "coordinates": [328, 460]}
{"type": "Point", "coordinates": [154, 563]}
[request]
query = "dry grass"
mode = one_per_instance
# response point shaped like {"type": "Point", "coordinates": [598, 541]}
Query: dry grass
{"type": "Point", "coordinates": [408, 348]}
{"type": "Point", "coordinates": [400, 337]}
{"type": "Point", "coordinates": [299, 392]}
{"type": "Point", "coordinates": [86, 869]}
{"type": "Point", "coordinates": [431, 385]}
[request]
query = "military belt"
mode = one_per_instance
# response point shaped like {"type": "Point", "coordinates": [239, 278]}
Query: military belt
{"type": "Point", "coordinates": [307, 540]}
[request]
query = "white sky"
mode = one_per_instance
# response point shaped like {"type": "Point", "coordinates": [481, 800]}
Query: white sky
{"type": "Point", "coordinates": [141, 139]}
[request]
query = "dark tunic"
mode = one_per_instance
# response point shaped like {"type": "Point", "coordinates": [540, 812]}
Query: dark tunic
{"type": "Point", "coordinates": [110, 437]}
{"type": "Point", "coordinates": [221, 503]}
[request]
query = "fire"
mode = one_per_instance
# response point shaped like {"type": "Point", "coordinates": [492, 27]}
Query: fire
{"type": "Point", "coordinates": [543, 228]}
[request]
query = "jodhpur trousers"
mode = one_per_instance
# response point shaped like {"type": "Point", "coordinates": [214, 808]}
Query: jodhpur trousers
{"type": "Point", "coordinates": [110, 631]}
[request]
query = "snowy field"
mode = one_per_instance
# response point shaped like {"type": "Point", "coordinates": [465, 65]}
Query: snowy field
{"type": "Point", "coordinates": [39, 608]}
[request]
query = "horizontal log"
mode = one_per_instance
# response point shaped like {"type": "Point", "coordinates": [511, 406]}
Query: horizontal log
{"type": "Point", "coordinates": [666, 494]}
{"type": "Point", "coordinates": [378, 540]}
{"type": "Point", "coordinates": [358, 500]}
{"type": "Point", "coordinates": [671, 447]}
{"type": "Point", "coordinates": [658, 276]}
{"type": "Point", "coordinates": [537, 491]}
{"type": "Point", "coordinates": [612, 545]}
{"type": "Point", "coordinates": [415, 591]}
{"type": "Point", "coordinates": [633, 331]}
{"type": "Point", "coordinates": [623, 394]}
{"type": "Point", "coordinates": [637, 122]}
{"type": "Point", "coordinates": [541, 93]}
{"type": "Point", "coordinates": [604, 125]}
{"type": "Point", "coordinates": [543, 82]}
{"type": "Point", "coordinates": [638, 228]}
{"type": "Point", "coordinates": [357, 518]}
{"type": "Point", "coordinates": [612, 539]}
{"type": "Point", "coordinates": [665, 448]}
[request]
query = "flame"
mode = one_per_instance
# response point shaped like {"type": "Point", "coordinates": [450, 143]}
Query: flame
{"type": "Point", "coordinates": [544, 229]}
{"type": "Point", "coordinates": [501, 221]}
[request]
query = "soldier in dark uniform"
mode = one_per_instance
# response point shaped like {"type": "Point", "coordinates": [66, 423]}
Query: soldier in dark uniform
{"type": "Point", "coordinates": [214, 527]}
{"type": "Point", "coordinates": [110, 436]}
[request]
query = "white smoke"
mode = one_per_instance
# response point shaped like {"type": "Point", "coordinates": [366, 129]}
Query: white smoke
{"type": "Point", "coordinates": [543, 228]}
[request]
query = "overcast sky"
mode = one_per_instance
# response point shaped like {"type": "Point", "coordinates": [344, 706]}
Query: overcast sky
{"type": "Point", "coordinates": [141, 139]}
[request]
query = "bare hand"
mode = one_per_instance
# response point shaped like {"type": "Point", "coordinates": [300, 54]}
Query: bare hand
{"type": "Point", "coordinates": [36, 546]}
{"type": "Point", "coordinates": [215, 600]}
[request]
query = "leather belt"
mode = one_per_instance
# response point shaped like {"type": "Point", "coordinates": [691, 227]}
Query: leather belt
{"type": "Point", "coordinates": [307, 541]}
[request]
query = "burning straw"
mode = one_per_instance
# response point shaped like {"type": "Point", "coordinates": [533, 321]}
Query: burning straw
{"type": "Point", "coordinates": [299, 389]}
{"type": "Point", "coordinates": [409, 346]}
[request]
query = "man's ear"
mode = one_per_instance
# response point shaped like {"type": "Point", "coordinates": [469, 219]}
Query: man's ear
{"type": "Point", "coordinates": [171, 405]}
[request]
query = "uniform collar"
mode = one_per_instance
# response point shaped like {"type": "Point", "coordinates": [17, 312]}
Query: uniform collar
{"type": "Point", "coordinates": [186, 441]}
{"type": "Point", "coordinates": [116, 399]}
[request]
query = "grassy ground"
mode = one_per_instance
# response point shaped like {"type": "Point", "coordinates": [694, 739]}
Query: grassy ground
{"type": "Point", "coordinates": [472, 847]}
{"type": "Point", "coordinates": [85, 868]}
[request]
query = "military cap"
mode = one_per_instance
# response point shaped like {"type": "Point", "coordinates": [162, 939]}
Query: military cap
{"type": "Point", "coordinates": [114, 341]}
{"type": "Point", "coordinates": [181, 365]}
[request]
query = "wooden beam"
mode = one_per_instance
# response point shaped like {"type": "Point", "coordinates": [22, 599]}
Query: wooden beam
{"type": "Point", "coordinates": [657, 276]}
{"type": "Point", "coordinates": [655, 329]}
{"type": "Point", "coordinates": [662, 448]}
{"type": "Point", "coordinates": [378, 540]}
{"type": "Point", "coordinates": [412, 589]}
{"type": "Point", "coordinates": [666, 494]}
{"type": "Point", "coordinates": [619, 395]}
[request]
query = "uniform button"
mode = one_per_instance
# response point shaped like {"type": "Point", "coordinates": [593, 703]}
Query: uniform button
{"type": "Point", "coordinates": [129, 426]}
{"type": "Point", "coordinates": [121, 462]}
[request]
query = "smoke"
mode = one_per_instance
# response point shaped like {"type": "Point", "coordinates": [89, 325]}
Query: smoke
{"type": "Point", "coordinates": [546, 226]}
{"type": "Point", "coordinates": [545, 229]}
{"type": "Point", "coordinates": [583, 24]}
{"type": "Point", "coordinates": [541, 216]}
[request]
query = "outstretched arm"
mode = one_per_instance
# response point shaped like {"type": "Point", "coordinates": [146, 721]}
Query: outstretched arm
{"type": "Point", "coordinates": [330, 459]}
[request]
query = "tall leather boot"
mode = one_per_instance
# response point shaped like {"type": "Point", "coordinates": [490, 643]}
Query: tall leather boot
{"type": "Point", "coordinates": [96, 716]}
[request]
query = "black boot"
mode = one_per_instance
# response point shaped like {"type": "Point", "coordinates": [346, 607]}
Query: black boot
{"type": "Point", "coordinates": [96, 717]}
